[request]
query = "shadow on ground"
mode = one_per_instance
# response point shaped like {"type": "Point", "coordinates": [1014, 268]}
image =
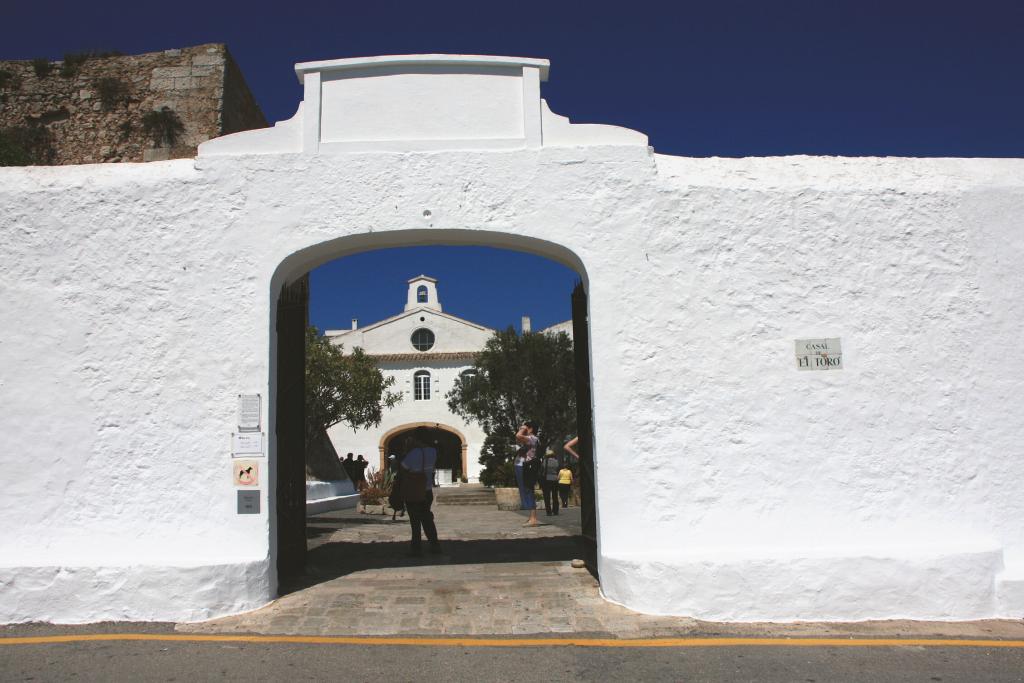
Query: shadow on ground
{"type": "Point", "coordinates": [333, 560]}
{"type": "Point", "coordinates": [327, 560]}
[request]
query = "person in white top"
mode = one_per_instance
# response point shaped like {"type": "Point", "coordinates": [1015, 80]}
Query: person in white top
{"type": "Point", "coordinates": [420, 458]}
{"type": "Point", "coordinates": [524, 468]}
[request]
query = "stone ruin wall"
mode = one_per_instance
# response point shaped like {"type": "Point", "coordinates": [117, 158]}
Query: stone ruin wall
{"type": "Point", "coordinates": [202, 85]}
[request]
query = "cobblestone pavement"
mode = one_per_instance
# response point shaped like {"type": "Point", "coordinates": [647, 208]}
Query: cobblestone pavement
{"type": "Point", "coordinates": [494, 577]}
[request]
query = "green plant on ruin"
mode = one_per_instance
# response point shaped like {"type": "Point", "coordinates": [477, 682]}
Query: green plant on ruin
{"type": "Point", "coordinates": [12, 151]}
{"type": "Point", "coordinates": [112, 91]}
{"type": "Point", "coordinates": [162, 126]}
{"type": "Point", "coordinates": [42, 66]}
{"type": "Point", "coordinates": [125, 129]}
{"type": "Point", "coordinates": [25, 146]}
{"type": "Point", "coordinates": [73, 62]}
{"type": "Point", "coordinates": [9, 80]}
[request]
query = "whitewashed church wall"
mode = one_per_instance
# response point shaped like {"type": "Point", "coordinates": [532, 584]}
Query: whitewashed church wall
{"type": "Point", "coordinates": [395, 336]}
{"type": "Point", "coordinates": [139, 302]}
{"type": "Point", "coordinates": [410, 411]}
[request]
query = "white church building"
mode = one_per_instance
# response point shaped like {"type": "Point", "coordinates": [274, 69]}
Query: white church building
{"type": "Point", "coordinates": [425, 350]}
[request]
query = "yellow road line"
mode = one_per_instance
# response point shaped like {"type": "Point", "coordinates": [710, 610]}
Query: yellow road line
{"type": "Point", "coordinates": [517, 642]}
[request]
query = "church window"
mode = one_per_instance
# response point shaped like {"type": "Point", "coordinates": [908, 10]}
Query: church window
{"type": "Point", "coordinates": [423, 339]}
{"type": "Point", "coordinates": [467, 374]}
{"type": "Point", "coordinates": [421, 294]}
{"type": "Point", "coordinates": [421, 385]}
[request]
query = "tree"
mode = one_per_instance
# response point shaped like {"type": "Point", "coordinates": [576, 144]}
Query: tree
{"type": "Point", "coordinates": [339, 388]}
{"type": "Point", "coordinates": [518, 378]}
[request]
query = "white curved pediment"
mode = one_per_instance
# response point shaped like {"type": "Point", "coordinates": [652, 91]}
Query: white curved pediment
{"type": "Point", "coordinates": [420, 103]}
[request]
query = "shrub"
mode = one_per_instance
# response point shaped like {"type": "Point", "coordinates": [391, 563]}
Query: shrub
{"type": "Point", "coordinates": [73, 62]}
{"type": "Point", "coordinates": [25, 146]}
{"type": "Point", "coordinates": [378, 487]}
{"type": "Point", "coordinates": [498, 475]}
{"type": "Point", "coordinates": [162, 127]}
{"type": "Point", "coordinates": [42, 67]}
{"type": "Point", "coordinates": [12, 151]}
{"type": "Point", "coordinates": [126, 130]}
{"type": "Point", "coordinates": [8, 80]}
{"type": "Point", "coordinates": [112, 91]}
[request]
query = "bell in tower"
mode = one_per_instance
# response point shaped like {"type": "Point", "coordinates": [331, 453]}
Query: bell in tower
{"type": "Point", "coordinates": [422, 294]}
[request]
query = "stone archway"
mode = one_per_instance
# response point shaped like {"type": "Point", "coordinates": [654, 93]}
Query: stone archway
{"type": "Point", "coordinates": [395, 431]}
{"type": "Point", "coordinates": [286, 457]}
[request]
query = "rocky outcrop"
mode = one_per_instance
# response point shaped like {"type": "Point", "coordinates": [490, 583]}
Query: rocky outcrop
{"type": "Point", "coordinates": [108, 108]}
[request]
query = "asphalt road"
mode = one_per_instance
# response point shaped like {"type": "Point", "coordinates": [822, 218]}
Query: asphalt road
{"type": "Point", "coordinates": [190, 661]}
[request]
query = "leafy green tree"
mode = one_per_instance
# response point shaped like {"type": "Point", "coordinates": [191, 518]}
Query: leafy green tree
{"type": "Point", "coordinates": [518, 378]}
{"type": "Point", "coordinates": [340, 387]}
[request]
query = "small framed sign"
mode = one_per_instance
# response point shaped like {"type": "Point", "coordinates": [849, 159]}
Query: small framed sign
{"type": "Point", "coordinates": [246, 443]}
{"type": "Point", "coordinates": [245, 472]}
{"type": "Point", "coordinates": [249, 413]}
{"type": "Point", "coordinates": [819, 354]}
{"type": "Point", "coordinates": [248, 502]}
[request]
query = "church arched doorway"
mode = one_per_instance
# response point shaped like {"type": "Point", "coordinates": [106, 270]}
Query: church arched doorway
{"type": "Point", "coordinates": [451, 448]}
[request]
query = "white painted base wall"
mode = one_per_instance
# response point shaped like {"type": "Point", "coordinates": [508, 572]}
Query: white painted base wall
{"type": "Point", "coordinates": [843, 583]}
{"type": "Point", "coordinates": [159, 591]}
{"type": "Point", "coordinates": [326, 496]}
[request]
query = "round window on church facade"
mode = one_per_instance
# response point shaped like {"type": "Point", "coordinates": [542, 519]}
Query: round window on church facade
{"type": "Point", "coordinates": [423, 339]}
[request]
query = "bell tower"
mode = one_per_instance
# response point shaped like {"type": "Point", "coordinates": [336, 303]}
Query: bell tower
{"type": "Point", "coordinates": [422, 294]}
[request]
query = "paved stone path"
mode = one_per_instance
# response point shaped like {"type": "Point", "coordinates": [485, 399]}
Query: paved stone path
{"type": "Point", "coordinates": [495, 577]}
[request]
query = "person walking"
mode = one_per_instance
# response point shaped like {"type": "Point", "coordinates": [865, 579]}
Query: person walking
{"type": "Point", "coordinates": [564, 484]}
{"type": "Point", "coordinates": [359, 469]}
{"type": "Point", "coordinates": [395, 497]}
{"type": "Point", "coordinates": [524, 467]}
{"type": "Point", "coordinates": [549, 482]}
{"type": "Point", "coordinates": [416, 479]}
{"type": "Point", "coordinates": [349, 465]}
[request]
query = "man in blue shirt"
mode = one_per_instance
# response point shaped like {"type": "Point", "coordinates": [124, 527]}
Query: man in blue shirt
{"type": "Point", "coordinates": [419, 461]}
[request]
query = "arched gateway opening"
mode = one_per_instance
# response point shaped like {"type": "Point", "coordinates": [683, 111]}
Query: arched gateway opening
{"type": "Point", "coordinates": [290, 318]}
{"type": "Point", "coordinates": [452, 448]}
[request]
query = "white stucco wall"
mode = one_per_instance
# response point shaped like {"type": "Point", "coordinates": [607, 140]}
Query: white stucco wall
{"type": "Point", "coordinates": [139, 301]}
{"type": "Point", "coordinates": [359, 109]}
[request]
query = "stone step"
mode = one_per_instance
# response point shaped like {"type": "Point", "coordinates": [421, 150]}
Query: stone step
{"type": "Point", "coordinates": [490, 503]}
{"type": "Point", "coordinates": [465, 495]}
{"type": "Point", "coordinates": [471, 497]}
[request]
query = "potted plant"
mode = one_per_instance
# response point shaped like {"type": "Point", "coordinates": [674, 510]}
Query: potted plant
{"type": "Point", "coordinates": [374, 495]}
{"type": "Point", "coordinates": [503, 480]}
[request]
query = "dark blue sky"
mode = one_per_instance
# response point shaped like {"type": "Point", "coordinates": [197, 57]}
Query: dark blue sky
{"type": "Point", "coordinates": [492, 287]}
{"type": "Point", "coordinates": [713, 78]}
